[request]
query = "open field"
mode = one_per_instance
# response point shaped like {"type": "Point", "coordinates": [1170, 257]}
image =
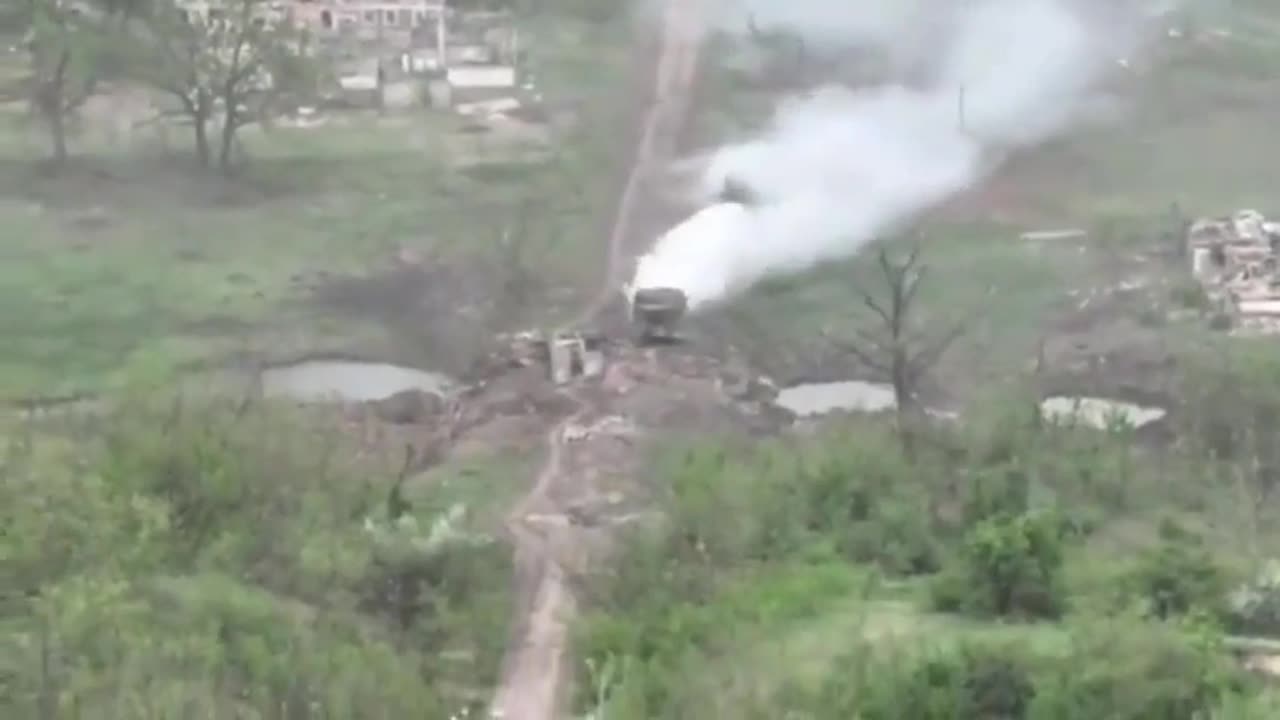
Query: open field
{"type": "Point", "coordinates": [659, 537]}
{"type": "Point", "coordinates": [1188, 125]}
{"type": "Point", "coordinates": [369, 236]}
{"type": "Point", "coordinates": [747, 615]}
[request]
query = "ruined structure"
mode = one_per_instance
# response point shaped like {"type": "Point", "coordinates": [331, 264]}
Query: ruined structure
{"type": "Point", "coordinates": [1235, 260]}
{"type": "Point", "coordinates": [368, 18]}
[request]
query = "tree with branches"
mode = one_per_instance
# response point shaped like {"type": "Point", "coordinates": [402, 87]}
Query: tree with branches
{"type": "Point", "coordinates": [895, 348]}
{"type": "Point", "coordinates": [69, 52]}
{"type": "Point", "coordinates": [234, 66]}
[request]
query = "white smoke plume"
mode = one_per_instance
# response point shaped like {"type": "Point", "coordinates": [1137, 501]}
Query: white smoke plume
{"type": "Point", "coordinates": [839, 167]}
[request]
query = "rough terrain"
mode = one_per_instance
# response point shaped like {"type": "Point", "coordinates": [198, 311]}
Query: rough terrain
{"type": "Point", "coordinates": [534, 671]}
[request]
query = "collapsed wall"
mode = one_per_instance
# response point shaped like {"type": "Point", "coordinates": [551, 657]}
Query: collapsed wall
{"type": "Point", "coordinates": [1236, 260]}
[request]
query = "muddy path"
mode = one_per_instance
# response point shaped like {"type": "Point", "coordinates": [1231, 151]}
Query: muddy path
{"type": "Point", "coordinates": [534, 671]}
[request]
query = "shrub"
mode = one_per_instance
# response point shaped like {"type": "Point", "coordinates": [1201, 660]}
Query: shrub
{"type": "Point", "coordinates": [867, 502]}
{"type": "Point", "coordinates": [1008, 566]}
{"type": "Point", "coordinates": [1002, 490]}
{"type": "Point", "coordinates": [971, 682]}
{"type": "Point", "coordinates": [206, 562]}
{"type": "Point", "coordinates": [1130, 670]}
{"type": "Point", "coordinates": [1255, 607]}
{"type": "Point", "coordinates": [1178, 575]}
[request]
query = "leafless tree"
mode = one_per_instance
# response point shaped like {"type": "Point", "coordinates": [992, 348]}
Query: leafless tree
{"type": "Point", "coordinates": [895, 348]}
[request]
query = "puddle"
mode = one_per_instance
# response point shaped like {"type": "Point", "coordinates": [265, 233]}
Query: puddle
{"type": "Point", "coordinates": [351, 381]}
{"type": "Point", "coordinates": [1099, 412]}
{"type": "Point", "coordinates": [823, 398]}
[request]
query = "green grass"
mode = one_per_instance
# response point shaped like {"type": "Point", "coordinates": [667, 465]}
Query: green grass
{"type": "Point", "coordinates": [1195, 127]}
{"type": "Point", "coordinates": [131, 258]}
{"type": "Point", "coordinates": [980, 275]}
{"type": "Point", "coordinates": [804, 654]}
{"type": "Point", "coordinates": [487, 485]}
{"type": "Point", "coordinates": [176, 555]}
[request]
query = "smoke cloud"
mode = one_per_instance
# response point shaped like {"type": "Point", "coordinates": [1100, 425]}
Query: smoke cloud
{"type": "Point", "coordinates": [838, 167]}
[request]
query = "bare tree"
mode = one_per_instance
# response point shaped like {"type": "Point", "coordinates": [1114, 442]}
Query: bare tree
{"type": "Point", "coordinates": [896, 349]}
{"type": "Point", "coordinates": [230, 68]}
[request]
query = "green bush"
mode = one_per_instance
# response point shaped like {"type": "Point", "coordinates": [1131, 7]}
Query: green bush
{"type": "Point", "coordinates": [969, 682]}
{"type": "Point", "coordinates": [1255, 607]}
{"type": "Point", "coordinates": [871, 505]}
{"type": "Point", "coordinates": [1130, 670]}
{"type": "Point", "coordinates": [1126, 669]}
{"type": "Point", "coordinates": [663, 641]}
{"type": "Point", "coordinates": [206, 562]}
{"type": "Point", "coordinates": [1178, 575]}
{"type": "Point", "coordinates": [1008, 567]}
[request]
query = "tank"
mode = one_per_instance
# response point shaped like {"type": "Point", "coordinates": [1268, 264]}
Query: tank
{"type": "Point", "coordinates": [656, 312]}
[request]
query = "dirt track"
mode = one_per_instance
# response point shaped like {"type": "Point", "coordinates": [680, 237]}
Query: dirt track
{"type": "Point", "coordinates": [533, 674]}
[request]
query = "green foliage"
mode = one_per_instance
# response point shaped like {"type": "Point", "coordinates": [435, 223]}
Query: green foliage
{"type": "Point", "coordinates": [1179, 575]}
{"type": "Point", "coordinates": [205, 562]}
{"type": "Point", "coordinates": [1008, 567]}
{"type": "Point", "coordinates": [1129, 670]}
{"type": "Point", "coordinates": [1124, 669]}
{"type": "Point", "coordinates": [1255, 607]}
{"type": "Point", "coordinates": [767, 504]}
{"type": "Point", "coordinates": [971, 682]}
{"type": "Point", "coordinates": [858, 500]}
{"type": "Point", "coordinates": [242, 63]}
{"type": "Point", "coordinates": [659, 639]}
{"type": "Point", "coordinates": [1015, 498]}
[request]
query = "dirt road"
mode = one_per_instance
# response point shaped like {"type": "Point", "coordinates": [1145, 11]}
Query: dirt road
{"type": "Point", "coordinates": [534, 671]}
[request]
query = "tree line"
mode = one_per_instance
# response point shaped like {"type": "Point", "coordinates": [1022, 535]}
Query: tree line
{"type": "Point", "coordinates": [219, 71]}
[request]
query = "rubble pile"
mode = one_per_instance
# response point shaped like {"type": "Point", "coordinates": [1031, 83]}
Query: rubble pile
{"type": "Point", "coordinates": [1235, 259]}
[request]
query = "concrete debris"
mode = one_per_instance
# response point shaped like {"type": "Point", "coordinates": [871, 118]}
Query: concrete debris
{"type": "Point", "coordinates": [527, 348]}
{"type": "Point", "coordinates": [467, 77]}
{"type": "Point", "coordinates": [1039, 235]}
{"type": "Point", "coordinates": [1235, 260]}
{"type": "Point", "coordinates": [574, 355]}
{"type": "Point", "coordinates": [1264, 664]}
{"type": "Point", "coordinates": [564, 355]}
{"type": "Point", "coordinates": [592, 363]}
{"type": "Point", "coordinates": [1099, 413]}
{"type": "Point", "coordinates": [488, 108]}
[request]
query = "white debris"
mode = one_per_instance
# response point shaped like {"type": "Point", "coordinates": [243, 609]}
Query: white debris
{"type": "Point", "coordinates": [1100, 413]}
{"type": "Point", "coordinates": [1235, 260]}
{"type": "Point", "coordinates": [1066, 234]}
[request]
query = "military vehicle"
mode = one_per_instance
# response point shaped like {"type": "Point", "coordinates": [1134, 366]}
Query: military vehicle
{"type": "Point", "coordinates": [656, 313]}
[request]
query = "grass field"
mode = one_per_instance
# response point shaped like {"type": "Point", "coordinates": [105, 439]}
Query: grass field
{"type": "Point", "coordinates": [130, 260]}
{"type": "Point", "coordinates": [1191, 125]}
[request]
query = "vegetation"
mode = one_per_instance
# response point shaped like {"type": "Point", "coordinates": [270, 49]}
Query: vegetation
{"type": "Point", "coordinates": [353, 234]}
{"type": "Point", "coordinates": [1012, 568]}
{"type": "Point", "coordinates": [211, 559]}
{"type": "Point", "coordinates": [237, 63]}
{"type": "Point", "coordinates": [183, 566]}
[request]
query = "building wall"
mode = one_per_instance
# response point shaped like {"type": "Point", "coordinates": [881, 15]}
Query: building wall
{"type": "Point", "coordinates": [332, 16]}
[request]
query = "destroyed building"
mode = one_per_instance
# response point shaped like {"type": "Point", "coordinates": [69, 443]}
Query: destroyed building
{"type": "Point", "coordinates": [1235, 261]}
